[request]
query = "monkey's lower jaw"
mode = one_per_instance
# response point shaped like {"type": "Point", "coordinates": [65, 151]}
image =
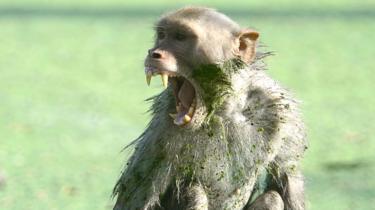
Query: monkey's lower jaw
{"type": "Point", "coordinates": [183, 91]}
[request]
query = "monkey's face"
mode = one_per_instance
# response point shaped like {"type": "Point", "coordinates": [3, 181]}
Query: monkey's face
{"type": "Point", "coordinates": [186, 40]}
{"type": "Point", "coordinates": [173, 58]}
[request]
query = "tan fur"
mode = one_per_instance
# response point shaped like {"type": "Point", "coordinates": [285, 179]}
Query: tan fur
{"type": "Point", "coordinates": [218, 164]}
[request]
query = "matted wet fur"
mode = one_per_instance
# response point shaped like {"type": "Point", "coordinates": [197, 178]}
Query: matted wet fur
{"type": "Point", "coordinates": [246, 144]}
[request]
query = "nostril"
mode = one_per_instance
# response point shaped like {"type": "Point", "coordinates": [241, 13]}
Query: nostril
{"type": "Point", "coordinates": [155, 55]}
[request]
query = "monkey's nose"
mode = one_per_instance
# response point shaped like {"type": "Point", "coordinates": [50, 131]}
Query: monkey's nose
{"type": "Point", "coordinates": [154, 54]}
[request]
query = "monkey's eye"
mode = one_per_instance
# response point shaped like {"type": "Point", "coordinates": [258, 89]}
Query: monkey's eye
{"type": "Point", "coordinates": [161, 34]}
{"type": "Point", "coordinates": [180, 36]}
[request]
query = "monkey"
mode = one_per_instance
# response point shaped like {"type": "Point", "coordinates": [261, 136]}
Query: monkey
{"type": "Point", "coordinates": [223, 134]}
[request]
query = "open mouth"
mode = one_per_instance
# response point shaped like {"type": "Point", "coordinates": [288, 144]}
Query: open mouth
{"type": "Point", "coordinates": [183, 92]}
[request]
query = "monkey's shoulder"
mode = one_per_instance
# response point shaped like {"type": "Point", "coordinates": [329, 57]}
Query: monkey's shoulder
{"type": "Point", "coordinates": [255, 94]}
{"type": "Point", "coordinates": [263, 105]}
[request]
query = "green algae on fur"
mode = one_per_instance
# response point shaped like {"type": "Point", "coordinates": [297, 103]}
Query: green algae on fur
{"type": "Point", "coordinates": [233, 156]}
{"type": "Point", "coordinates": [214, 80]}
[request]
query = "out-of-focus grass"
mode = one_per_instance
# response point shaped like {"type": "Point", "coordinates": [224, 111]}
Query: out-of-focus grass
{"type": "Point", "coordinates": [72, 90]}
{"type": "Point", "coordinates": [320, 4]}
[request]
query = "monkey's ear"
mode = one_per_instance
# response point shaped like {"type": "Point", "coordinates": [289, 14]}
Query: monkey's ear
{"type": "Point", "coordinates": [247, 44]}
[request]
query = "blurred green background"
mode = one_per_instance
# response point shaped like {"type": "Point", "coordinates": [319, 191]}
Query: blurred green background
{"type": "Point", "coordinates": [72, 88]}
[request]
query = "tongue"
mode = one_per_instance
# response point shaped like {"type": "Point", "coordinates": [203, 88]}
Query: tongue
{"type": "Point", "coordinates": [186, 95]}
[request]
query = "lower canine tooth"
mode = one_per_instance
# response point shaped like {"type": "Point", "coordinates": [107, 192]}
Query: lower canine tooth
{"type": "Point", "coordinates": [187, 118]}
{"type": "Point", "coordinates": [164, 78]}
{"type": "Point", "coordinates": [173, 115]}
{"type": "Point", "coordinates": [180, 121]}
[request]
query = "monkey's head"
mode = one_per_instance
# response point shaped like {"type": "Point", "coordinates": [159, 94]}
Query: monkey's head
{"type": "Point", "coordinates": [188, 39]}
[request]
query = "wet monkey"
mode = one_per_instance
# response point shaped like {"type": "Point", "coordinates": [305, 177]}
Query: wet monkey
{"type": "Point", "coordinates": [223, 134]}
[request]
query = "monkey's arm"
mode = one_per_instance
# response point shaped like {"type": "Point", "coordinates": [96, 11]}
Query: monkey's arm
{"type": "Point", "coordinates": [275, 116]}
{"type": "Point", "coordinates": [270, 200]}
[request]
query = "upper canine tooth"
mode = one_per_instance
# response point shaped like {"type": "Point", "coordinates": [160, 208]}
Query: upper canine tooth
{"type": "Point", "coordinates": [164, 78]}
{"type": "Point", "coordinates": [148, 77]}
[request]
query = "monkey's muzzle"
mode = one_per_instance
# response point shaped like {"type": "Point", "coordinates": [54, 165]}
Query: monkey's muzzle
{"type": "Point", "coordinates": [183, 92]}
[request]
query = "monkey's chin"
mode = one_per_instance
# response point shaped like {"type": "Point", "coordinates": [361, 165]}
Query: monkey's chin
{"type": "Point", "coordinates": [183, 92]}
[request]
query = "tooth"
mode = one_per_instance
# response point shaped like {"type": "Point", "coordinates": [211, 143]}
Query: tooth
{"type": "Point", "coordinates": [187, 118]}
{"type": "Point", "coordinates": [173, 115]}
{"type": "Point", "coordinates": [164, 78]}
{"type": "Point", "coordinates": [178, 108]}
{"type": "Point", "coordinates": [148, 77]}
{"type": "Point", "coordinates": [180, 121]}
{"type": "Point", "coordinates": [191, 110]}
